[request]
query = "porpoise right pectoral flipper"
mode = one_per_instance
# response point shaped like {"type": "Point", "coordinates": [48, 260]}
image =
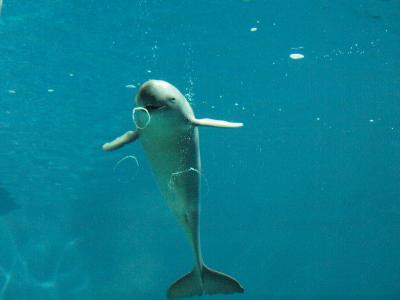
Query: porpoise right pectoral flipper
{"type": "Point", "coordinates": [126, 138]}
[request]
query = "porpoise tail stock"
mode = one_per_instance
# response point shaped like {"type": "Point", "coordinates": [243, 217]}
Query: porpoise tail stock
{"type": "Point", "coordinates": [168, 130]}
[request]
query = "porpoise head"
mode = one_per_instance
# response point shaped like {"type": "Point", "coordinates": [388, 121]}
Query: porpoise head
{"type": "Point", "coordinates": [158, 95]}
{"type": "Point", "coordinates": [158, 98]}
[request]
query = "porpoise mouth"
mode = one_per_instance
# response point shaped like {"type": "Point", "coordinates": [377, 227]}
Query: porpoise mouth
{"type": "Point", "coordinates": [153, 107]}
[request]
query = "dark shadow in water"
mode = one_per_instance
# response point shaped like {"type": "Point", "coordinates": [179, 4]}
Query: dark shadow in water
{"type": "Point", "coordinates": [7, 203]}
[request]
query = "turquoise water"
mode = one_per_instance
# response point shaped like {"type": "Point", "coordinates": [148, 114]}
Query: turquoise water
{"type": "Point", "coordinates": [302, 203]}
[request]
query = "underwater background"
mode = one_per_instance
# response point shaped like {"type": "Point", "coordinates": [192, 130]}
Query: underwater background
{"type": "Point", "coordinates": [301, 203]}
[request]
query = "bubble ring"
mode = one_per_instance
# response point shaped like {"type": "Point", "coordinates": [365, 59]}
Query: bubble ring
{"type": "Point", "coordinates": [148, 115]}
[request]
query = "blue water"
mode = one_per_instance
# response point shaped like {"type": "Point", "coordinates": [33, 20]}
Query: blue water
{"type": "Point", "coordinates": [302, 203]}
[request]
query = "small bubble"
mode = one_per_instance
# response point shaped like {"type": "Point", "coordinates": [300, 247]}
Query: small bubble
{"type": "Point", "coordinates": [11, 91]}
{"type": "Point", "coordinates": [371, 120]}
{"type": "Point", "coordinates": [130, 86]}
{"type": "Point", "coordinates": [236, 104]}
{"type": "Point", "coordinates": [296, 56]}
{"type": "Point", "coordinates": [253, 29]}
{"type": "Point", "coordinates": [318, 118]}
{"type": "Point", "coordinates": [50, 90]}
{"type": "Point", "coordinates": [148, 71]}
{"type": "Point", "coordinates": [71, 74]}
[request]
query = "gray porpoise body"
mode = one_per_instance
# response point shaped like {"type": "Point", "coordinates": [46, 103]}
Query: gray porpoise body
{"type": "Point", "coordinates": [171, 142]}
{"type": "Point", "coordinates": [168, 131]}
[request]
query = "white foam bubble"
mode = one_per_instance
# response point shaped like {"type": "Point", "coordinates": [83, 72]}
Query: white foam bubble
{"type": "Point", "coordinates": [296, 56]}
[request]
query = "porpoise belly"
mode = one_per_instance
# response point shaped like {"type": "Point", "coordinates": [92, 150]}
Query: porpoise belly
{"type": "Point", "coordinates": [175, 160]}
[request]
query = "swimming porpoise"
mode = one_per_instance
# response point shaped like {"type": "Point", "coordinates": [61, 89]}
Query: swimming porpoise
{"type": "Point", "coordinates": [168, 130]}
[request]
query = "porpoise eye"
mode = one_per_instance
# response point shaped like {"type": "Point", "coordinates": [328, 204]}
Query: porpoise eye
{"type": "Point", "coordinates": [172, 99]}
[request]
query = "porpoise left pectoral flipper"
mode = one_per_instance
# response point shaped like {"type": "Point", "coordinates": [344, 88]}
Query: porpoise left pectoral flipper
{"type": "Point", "coordinates": [126, 138]}
{"type": "Point", "coordinates": [216, 123]}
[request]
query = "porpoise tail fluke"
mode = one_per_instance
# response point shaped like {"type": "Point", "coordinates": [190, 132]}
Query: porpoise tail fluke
{"type": "Point", "coordinates": [204, 282]}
